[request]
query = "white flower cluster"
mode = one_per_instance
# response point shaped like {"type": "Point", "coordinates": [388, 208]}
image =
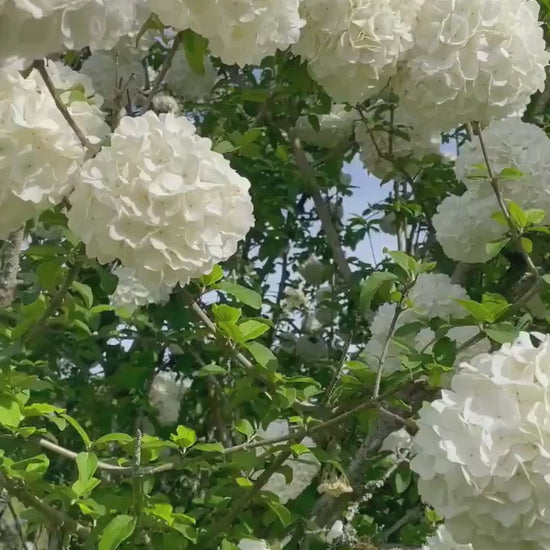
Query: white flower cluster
{"type": "Point", "coordinates": [442, 540]}
{"type": "Point", "coordinates": [482, 449]}
{"type": "Point", "coordinates": [165, 396]}
{"type": "Point", "coordinates": [473, 60]}
{"type": "Point", "coordinates": [463, 224]}
{"type": "Point", "coordinates": [161, 201]}
{"type": "Point", "coordinates": [376, 153]}
{"type": "Point", "coordinates": [433, 295]}
{"type": "Point", "coordinates": [40, 27]}
{"type": "Point", "coordinates": [353, 46]}
{"type": "Point", "coordinates": [314, 271]}
{"type": "Point", "coordinates": [252, 544]}
{"type": "Point", "coordinates": [334, 128]}
{"type": "Point", "coordinates": [183, 82]}
{"type": "Point", "coordinates": [240, 31]}
{"type": "Point", "coordinates": [311, 348]}
{"type": "Point", "coordinates": [304, 468]}
{"type": "Point", "coordinates": [397, 442]}
{"type": "Point", "coordinates": [39, 153]}
{"type": "Point", "coordinates": [131, 293]}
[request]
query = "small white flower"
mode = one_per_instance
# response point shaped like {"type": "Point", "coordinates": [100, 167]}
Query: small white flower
{"type": "Point", "coordinates": [165, 396]}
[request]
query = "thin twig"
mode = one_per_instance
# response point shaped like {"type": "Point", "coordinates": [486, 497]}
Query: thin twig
{"type": "Point", "coordinates": [40, 66]}
{"type": "Point", "coordinates": [162, 72]}
{"type": "Point", "coordinates": [57, 518]}
{"type": "Point", "coordinates": [323, 211]}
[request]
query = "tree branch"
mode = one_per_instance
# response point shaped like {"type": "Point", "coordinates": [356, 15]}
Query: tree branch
{"type": "Point", "coordinates": [323, 211]}
{"type": "Point", "coordinates": [9, 266]}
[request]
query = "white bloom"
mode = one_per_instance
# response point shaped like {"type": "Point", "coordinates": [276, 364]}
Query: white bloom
{"type": "Point", "coordinates": [336, 532]}
{"type": "Point", "coordinates": [375, 145]}
{"type": "Point", "coordinates": [184, 82]}
{"type": "Point", "coordinates": [165, 396]}
{"type": "Point", "coordinates": [433, 295]}
{"type": "Point", "coordinates": [240, 31]}
{"type": "Point", "coordinates": [335, 488]}
{"type": "Point", "coordinates": [39, 153]}
{"type": "Point", "coordinates": [131, 293]}
{"type": "Point", "coordinates": [397, 442]}
{"type": "Point", "coordinates": [304, 468]}
{"type": "Point", "coordinates": [311, 348]}
{"type": "Point", "coordinates": [252, 544]}
{"type": "Point", "coordinates": [161, 201]}
{"type": "Point", "coordinates": [334, 129]}
{"type": "Point", "coordinates": [463, 224]}
{"type": "Point", "coordinates": [294, 299]}
{"type": "Point", "coordinates": [442, 540]}
{"type": "Point", "coordinates": [353, 46]}
{"type": "Point", "coordinates": [473, 60]}
{"type": "Point", "coordinates": [35, 29]}
{"type": "Point", "coordinates": [314, 271]}
{"type": "Point", "coordinates": [482, 450]}
{"type": "Point", "coordinates": [165, 103]}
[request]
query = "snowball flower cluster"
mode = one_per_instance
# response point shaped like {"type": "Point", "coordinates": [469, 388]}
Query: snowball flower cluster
{"type": "Point", "coordinates": [314, 271]}
{"type": "Point", "coordinates": [473, 60]}
{"type": "Point", "coordinates": [335, 128]}
{"type": "Point", "coordinates": [463, 224]}
{"type": "Point", "coordinates": [353, 46]}
{"type": "Point", "coordinates": [397, 442]}
{"type": "Point", "coordinates": [482, 451]}
{"type": "Point", "coordinates": [165, 396]}
{"type": "Point", "coordinates": [39, 153]}
{"type": "Point", "coordinates": [38, 28]}
{"type": "Point", "coordinates": [381, 146]}
{"type": "Point", "coordinates": [161, 201]}
{"type": "Point", "coordinates": [184, 82]}
{"type": "Point", "coordinates": [311, 348]}
{"type": "Point", "coordinates": [240, 31]}
{"type": "Point", "coordinates": [442, 540]}
{"type": "Point", "coordinates": [433, 295]}
{"type": "Point", "coordinates": [131, 293]}
{"type": "Point", "coordinates": [304, 468]}
{"type": "Point", "coordinates": [252, 544]}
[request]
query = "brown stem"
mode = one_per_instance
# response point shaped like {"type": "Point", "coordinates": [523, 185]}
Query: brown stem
{"type": "Point", "coordinates": [9, 266]}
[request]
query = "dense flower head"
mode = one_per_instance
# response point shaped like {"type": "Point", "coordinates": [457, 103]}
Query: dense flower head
{"type": "Point", "coordinates": [40, 28]}
{"type": "Point", "coordinates": [184, 82]}
{"type": "Point", "coordinates": [433, 295]}
{"type": "Point", "coordinates": [39, 153]}
{"type": "Point", "coordinates": [473, 60]}
{"type": "Point", "coordinates": [384, 144]}
{"type": "Point", "coordinates": [335, 128]}
{"type": "Point", "coordinates": [442, 540]}
{"type": "Point", "coordinates": [463, 224]}
{"type": "Point", "coordinates": [161, 201]}
{"type": "Point", "coordinates": [240, 31]}
{"type": "Point", "coordinates": [165, 396]}
{"type": "Point", "coordinates": [353, 46]}
{"type": "Point", "coordinates": [304, 468]}
{"type": "Point", "coordinates": [482, 450]}
{"type": "Point", "coordinates": [252, 544]}
{"type": "Point", "coordinates": [131, 293]}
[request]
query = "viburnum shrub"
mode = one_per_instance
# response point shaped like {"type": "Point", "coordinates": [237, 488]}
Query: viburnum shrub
{"type": "Point", "coordinates": [205, 344]}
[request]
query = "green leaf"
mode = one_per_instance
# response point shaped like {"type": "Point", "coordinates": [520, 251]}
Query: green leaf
{"type": "Point", "coordinates": [87, 465]}
{"type": "Point", "coordinates": [298, 449]}
{"type": "Point", "coordinates": [256, 95]}
{"type": "Point", "coordinates": [517, 214]}
{"type": "Point", "coordinates": [195, 47]}
{"type": "Point", "coordinates": [80, 430]}
{"type": "Point", "coordinates": [372, 284]}
{"type": "Point", "coordinates": [493, 248]}
{"type": "Point", "coordinates": [81, 488]}
{"type": "Point", "coordinates": [502, 333]}
{"type": "Point", "coordinates": [211, 370]}
{"type": "Point", "coordinates": [478, 311]}
{"type": "Point", "coordinates": [245, 427]}
{"type": "Point", "coordinates": [114, 438]}
{"type": "Point", "coordinates": [243, 482]}
{"type": "Point", "coordinates": [510, 173]}
{"type": "Point", "coordinates": [210, 447]}
{"type": "Point", "coordinates": [223, 147]}
{"type": "Point", "coordinates": [282, 512]}
{"type": "Point", "coordinates": [527, 245]}
{"type": "Point", "coordinates": [50, 274]}
{"type": "Point", "coordinates": [250, 330]}
{"type": "Point", "coordinates": [407, 263]}
{"type": "Point", "coordinates": [500, 218]}
{"type": "Point", "coordinates": [213, 277]}
{"type": "Point", "coordinates": [535, 216]}
{"type": "Point", "coordinates": [261, 354]}
{"type": "Point", "coordinates": [184, 437]}
{"type": "Point", "coordinates": [85, 293]}
{"type": "Point", "coordinates": [402, 480]}
{"type": "Point", "coordinates": [244, 295]}
{"type": "Point", "coordinates": [117, 531]}
{"type": "Point", "coordinates": [10, 411]}
{"type": "Point", "coordinates": [226, 314]}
